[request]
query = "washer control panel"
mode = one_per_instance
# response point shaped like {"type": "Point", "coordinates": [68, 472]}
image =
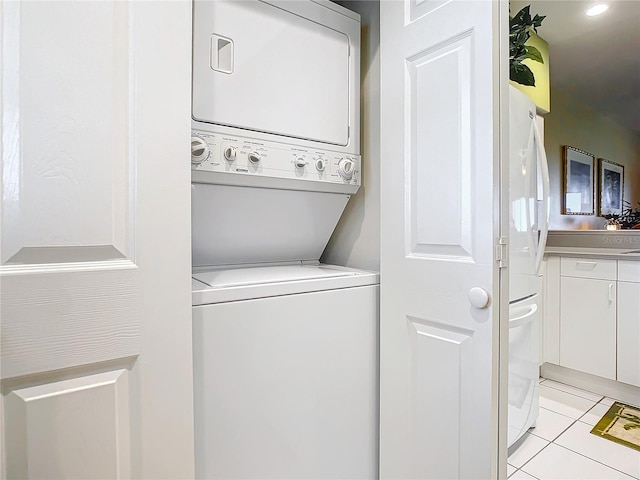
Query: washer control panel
{"type": "Point", "coordinates": [214, 152]}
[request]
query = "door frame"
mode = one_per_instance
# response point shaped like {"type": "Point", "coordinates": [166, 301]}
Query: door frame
{"type": "Point", "coordinates": [501, 357]}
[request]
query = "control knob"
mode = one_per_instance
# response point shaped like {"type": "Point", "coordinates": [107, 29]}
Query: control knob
{"type": "Point", "coordinates": [254, 157]}
{"type": "Point", "coordinates": [321, 164]}
{"type": "Point", "coordinates": [300, 163]}
{"type": "Point", "coordinates": [345, 168]}
{"type": "Point", "coordinates": [199, 150]}
{"type": "Point", "coordinates": [230, 153]}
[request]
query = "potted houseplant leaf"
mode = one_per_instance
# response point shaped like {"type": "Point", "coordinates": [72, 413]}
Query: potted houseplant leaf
{"type": "Point", "coordinates": [520, 27]}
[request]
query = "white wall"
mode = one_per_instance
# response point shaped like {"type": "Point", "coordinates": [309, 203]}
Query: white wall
{"type": "Point", "coordinates": [356, 240]}
{"type": "Point", "coordinates": [572, 123]}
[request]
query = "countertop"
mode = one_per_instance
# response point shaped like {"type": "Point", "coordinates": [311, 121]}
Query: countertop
{"type": "Point", "coordinates": [614, 245]}
{"type": "Point", "coordinates": [610, 253]}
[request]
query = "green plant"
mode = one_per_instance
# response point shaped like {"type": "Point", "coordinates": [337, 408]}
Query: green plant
{"type": "Point", "coordinates": [520, 27]}
{"type": "Point", "coordinates": [629, 218]}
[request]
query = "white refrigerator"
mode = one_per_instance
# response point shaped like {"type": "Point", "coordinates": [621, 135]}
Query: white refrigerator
{"type": "Point", "coordinates": [529, 225]}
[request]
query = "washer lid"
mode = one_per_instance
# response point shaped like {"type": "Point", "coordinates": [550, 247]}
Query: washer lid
{"type": "Point", "coordinates": [236, 277]}
{"type": "Point", "coordinates": [237, 284]}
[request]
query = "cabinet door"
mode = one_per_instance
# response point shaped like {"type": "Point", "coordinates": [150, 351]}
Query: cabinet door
{"type": "Point", "coordinates": [588, 325]}
{"type": "Point", "coordinates": [629, 333]}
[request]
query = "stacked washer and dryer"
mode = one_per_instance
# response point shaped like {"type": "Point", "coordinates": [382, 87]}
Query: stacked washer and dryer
{"type": "Point", "coordinates": [285, 348]}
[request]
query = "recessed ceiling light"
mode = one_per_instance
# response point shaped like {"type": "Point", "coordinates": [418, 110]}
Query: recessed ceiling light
{"type": "Point", "coordinates": [597, 9]}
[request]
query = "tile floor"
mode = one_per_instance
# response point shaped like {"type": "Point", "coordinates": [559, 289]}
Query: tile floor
{"type": "Point", "coordinates": [561, 446]}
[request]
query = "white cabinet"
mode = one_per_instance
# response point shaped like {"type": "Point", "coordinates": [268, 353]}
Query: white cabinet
{"type": "Point", "coordinates": [592, 316]}
{"type": "Point", "coordinates": [628, 352]}
{"type": "Point", "coordinates": [588, 325]}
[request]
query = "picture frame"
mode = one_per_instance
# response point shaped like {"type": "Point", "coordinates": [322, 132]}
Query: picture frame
{"type": "Point", "coordinates": [579, 184]}
{"type": "Point", "coordinates": [610, 187]}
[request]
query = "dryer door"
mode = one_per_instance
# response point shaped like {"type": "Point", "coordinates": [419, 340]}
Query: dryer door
{"type": "Point", "coordinates": [262, 68]}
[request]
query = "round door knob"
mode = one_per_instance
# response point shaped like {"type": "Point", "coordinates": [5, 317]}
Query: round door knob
{"type": "Point", "coordinates": [254, 157]}
{"type": "Point", "coordinates": [300, 163]}
{"type": "Point", "coordinates": [320, 164]}
{"type": "Point", "coordinates": [345, 168]}
{"type": "Point", "coordinates": [479, 297]}
{"type": "Point", "coordinates": [199, 150]}
{"type": "Point", "coordinates": [230, 153]}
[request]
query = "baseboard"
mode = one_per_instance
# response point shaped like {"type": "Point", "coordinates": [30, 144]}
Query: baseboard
{"type": "Point", "coordinates": [620, 391]}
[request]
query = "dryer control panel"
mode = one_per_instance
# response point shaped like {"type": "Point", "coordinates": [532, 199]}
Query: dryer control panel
{"type": "Point", "coordinates": [215, 153]}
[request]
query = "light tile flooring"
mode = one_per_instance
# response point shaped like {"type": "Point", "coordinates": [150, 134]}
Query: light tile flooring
{"type": "Point", "coordinates": [561, 447]}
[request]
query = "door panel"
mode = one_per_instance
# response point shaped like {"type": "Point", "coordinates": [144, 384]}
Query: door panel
{"type": "Point", "coordinates": [445, 69]}
{"type": "Point", "coordinates": [77, 428]}
{"type": "Point", "coordinates": [95, 253]}
{"type": "Point", "coordinates": [437, 354]}
{"type": "Point", "coordinates": [68, 163]}
{"type": "Point", "coordinates": [440, 220]}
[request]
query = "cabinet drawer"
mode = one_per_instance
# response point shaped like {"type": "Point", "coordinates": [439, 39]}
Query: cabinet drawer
{"type": "Point", "coordinates": [629, 271]}
{"type": "Point", "coordinates": [588, 268]}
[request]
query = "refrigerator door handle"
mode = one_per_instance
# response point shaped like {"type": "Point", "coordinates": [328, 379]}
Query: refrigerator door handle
{"type": "Point", "coordinates": [525, 315]}
{"type": "Point", "coordinates": [530, 206]}
{"type": "Point", "coordinates": [544, 172]}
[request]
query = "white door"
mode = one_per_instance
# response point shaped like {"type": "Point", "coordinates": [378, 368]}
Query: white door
{"type": "Point", "coordinates": [440, 223]}
{"type": "Point", "coordinates": [95, 250]}
{"type": "Point", "coordinates": [588, 323]}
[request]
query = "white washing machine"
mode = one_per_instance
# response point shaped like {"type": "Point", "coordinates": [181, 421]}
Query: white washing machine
{"type": "Point", "coordinates": [285, 362]}
{"type": "Point", "coordinates": [285, 348]}
{"type": "Point", "coordinates": [285, 351]}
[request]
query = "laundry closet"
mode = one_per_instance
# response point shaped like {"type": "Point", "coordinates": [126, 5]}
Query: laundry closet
{"type": "Point", "coordinates": [429, 130]}
{"type": "Point", "coordinates": [285, 347]}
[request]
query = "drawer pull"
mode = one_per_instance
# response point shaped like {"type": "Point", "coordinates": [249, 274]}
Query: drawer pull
{"type": "Point", "coordinates": [586, 265]}
{"type": "Point", "coordinates": [611, 293]}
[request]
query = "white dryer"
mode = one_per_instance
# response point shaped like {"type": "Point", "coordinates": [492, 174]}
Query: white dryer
{"type": "Point", "coordinates": [285, 348]}
{"type": "Point", "coordinates": [276, 94]}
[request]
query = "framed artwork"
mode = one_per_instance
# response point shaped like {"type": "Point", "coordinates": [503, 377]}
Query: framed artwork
{"type": "Point", "coordinates": [578, 182]}
{"type": "Point", "coordinates": [610, 187]}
